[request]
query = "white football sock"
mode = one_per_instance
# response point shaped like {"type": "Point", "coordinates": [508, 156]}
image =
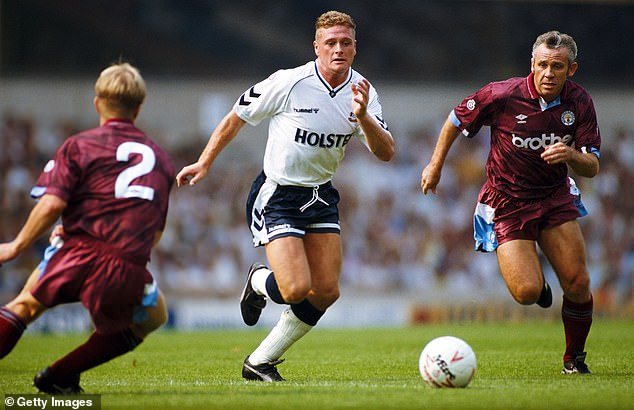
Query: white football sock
{"type": "Point", "coordinates": [258, 281]}
{"type": "Point", "coordinates": [287, 331]}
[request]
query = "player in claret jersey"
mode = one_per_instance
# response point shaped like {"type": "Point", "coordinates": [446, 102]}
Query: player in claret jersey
{"type": "Point", "coordinates": [540, 125]}
{"type": "Point", "coordinates": [315, 110]}
{"type": "Point", "coordinates": [110, 185]}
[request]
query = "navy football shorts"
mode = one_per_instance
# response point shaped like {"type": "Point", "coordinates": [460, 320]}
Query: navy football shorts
{"type": "Point", "coordinates": [275, 211]}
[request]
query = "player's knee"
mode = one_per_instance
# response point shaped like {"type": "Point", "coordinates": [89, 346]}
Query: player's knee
{"type": "Point", "coordinates": [159, 314]}
{"type": "Point", "coordinates": [577, 285]}
{"type": "Point", "coordinates": [26, 308]}
{"type": "Point", "coordinates": [295, 293]}
{"type": "Point", "coordinates": [324, 297]}
{"type": "Point", "coordinates": [526, 294]}
{"type": "Point", "coordinates": [153, 322]}
{"type": "Point", "coordinates": [161, 319]}
{"type": "Point", "coordinates": [157, 317]}
{"type": "Point", "coordinates": [330, 295]}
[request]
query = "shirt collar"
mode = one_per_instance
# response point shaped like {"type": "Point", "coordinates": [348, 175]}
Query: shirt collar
{"type": "Point", "coordinates": [117, 121]}
{"type": "Point", "coordinates": [333, 91]}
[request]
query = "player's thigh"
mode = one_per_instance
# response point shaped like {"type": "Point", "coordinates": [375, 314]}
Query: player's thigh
{"type": "Point", "coordinates": [31, 281]}
{"type": "Point", "coordinates": [288, 260]}
{"type": "Point", "coordinates": [324, 254]}
{"type": "Point", "coordinates": [521, 269]}
{"type": "Point", "coordinates": [565, 249]}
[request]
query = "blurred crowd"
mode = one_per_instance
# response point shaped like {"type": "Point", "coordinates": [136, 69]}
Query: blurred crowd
{"type": "Point", "coordinates": [395, 238]}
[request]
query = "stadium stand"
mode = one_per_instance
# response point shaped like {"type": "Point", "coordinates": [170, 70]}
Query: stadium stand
{"type": "Point", "coordinates": [422, 244]}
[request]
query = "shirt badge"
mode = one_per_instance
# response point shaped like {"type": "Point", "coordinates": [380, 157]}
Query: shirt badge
{"type": "Point", "coordinates": [521, 118]}
{"type": "Point", "coordinates": [471, 104]}
{"type": "Point", "coordinates": [567, 117]}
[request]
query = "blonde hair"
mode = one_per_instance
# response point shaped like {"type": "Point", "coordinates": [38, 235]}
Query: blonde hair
{"type": "Point", "coordinates": [121, 88]}
{"type": "Point", "coordinates": [334, 18]}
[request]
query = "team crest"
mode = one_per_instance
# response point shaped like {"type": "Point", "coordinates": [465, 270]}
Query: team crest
{"type": "Point", "coordinates": [471, 104]}
{"type": "Point", "coordinates": [568, 118]}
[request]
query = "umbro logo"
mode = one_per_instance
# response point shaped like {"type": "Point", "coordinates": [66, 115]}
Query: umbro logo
{"type": "Point", "coordinates": [521, 118]}
{"type": "Point", "coordinates": [247, 100]}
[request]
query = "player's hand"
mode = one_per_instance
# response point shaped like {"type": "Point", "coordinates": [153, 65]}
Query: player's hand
{"type": "Point", "coordinates": [58, 230]}
{"type": "Point", "coordinates": [360, 97]}
{"type": "Point", "coordinates": [191, 174]}
{"type": "Point", "coordinates": [557, 153]}
{"type": "Point", "coordinates": [429, 179]}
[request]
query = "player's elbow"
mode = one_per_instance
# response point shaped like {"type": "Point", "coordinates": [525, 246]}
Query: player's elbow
{"type": "Point", "coordinates": [594, 170]}
{"type": "Point", "coordinates": [52, 205]}
{"type": "Point", "coordinates": [386, 153]}
{"type": "Point", "coordinates": [589, 171]}
{"type": "Point", "coordinates": [388, 156]}
{"type": "Point", "coordinates": [585, 165]}
{"type": "Point", "coordinates": [385, 158]}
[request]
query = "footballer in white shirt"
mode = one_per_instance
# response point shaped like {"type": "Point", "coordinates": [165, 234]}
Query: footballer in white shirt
{"type": "Point", "coordinates": [314, 112]}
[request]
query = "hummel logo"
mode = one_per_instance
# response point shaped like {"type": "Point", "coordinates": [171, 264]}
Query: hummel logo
{"type": "Point", "coordinates": [258, 220]}
{"type": "Point", "coordinates": [307, 110]}
{"type": "Point", "coordinates": [382, 122]}
{"type": "Point", "coordinates": [252, 94]}
{"type": "Point", "coordinates": [521, 118]}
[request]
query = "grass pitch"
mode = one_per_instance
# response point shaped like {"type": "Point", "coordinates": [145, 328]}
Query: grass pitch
{"type": "Point", "coordinates": [518, 368]}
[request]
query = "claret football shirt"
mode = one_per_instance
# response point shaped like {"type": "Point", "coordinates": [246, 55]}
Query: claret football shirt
{"type": "Point", "coordinates": [522, 124]}
{"type": "Point", "coordinates": [116, 181]}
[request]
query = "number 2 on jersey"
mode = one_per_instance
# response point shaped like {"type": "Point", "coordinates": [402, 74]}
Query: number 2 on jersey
{"type": "Point", "coordinates": [123, 187]}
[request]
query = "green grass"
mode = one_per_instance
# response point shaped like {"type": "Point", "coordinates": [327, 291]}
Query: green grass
{"type": "Point", "coordinates": [518, 368]}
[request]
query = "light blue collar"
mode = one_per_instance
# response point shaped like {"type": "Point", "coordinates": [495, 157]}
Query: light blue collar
{"type": "Point", "coordinates": [553, 103]}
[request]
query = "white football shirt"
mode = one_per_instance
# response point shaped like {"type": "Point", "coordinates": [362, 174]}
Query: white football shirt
{"type": "Point", "coordinates": [310, 123]}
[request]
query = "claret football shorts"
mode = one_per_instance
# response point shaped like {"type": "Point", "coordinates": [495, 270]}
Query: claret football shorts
{"type": "Point", "coordinates": [114, 289]}
{"type": "Point", "coordinates": [500, 218]}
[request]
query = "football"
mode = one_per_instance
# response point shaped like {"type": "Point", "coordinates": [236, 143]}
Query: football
{"type": "Point", "coordinates": [447, 361]}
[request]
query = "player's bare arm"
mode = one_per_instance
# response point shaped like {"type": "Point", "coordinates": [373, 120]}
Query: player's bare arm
{"type": "Point", "coordinates": [583, 164]}
{"type": "Point", "coordinates": [379, 140]}
{"type": "Point", "coordinates": [222, 135]}
{"type": "Point", "coordinates": [44, 214]}
{"type": "Point", "coordinates": [431, 173]}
